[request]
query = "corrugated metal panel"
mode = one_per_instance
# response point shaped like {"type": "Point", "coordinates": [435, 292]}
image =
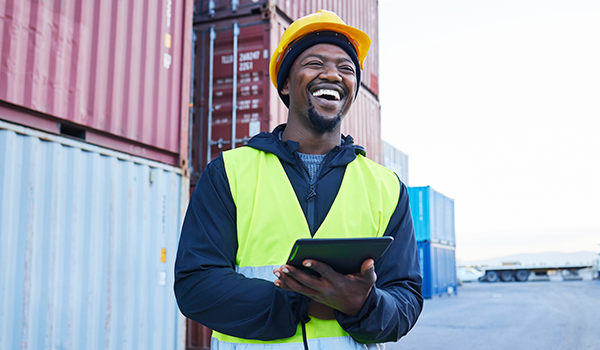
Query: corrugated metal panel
{"type": "Point", "coordinates": [253, 84]}
{"type": "Point", "coordinates": [433, 215]}
{"type": "Point", "coordinates": [363, 123]}
{"type": "Point", "coordinates": [118, 70]}
{"type": "Point", "coordinates": [396, 161]}
{"type": "Point", "coordinates": [438, 268]}
{"type": "Point", "coordinates": [88, 239]}
{"type": "Point", "coordinates": [279, 111]}
{"type": "Point", "coordinates": [220, 9]}
{"type": "Point", "coordinates": [197, 336]}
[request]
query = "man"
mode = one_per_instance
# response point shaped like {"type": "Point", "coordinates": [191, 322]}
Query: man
{"type": "Point", "coordinates": [303, 180]}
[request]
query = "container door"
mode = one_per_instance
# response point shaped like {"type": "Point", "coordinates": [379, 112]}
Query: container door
{"type": "Point", "coordinates": [88, 239]}
{"type": "Point", "coordinates": [215, 105]}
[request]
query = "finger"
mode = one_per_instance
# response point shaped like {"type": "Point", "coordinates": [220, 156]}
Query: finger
{"type": "Point", "coordinates": [296, 280]}
{"type": "Point", "coordinates": [326, 271]}
{"type": "Point", "coordinates": [279, 283]}
{"type": "Point", "coordinates": [303, 275]}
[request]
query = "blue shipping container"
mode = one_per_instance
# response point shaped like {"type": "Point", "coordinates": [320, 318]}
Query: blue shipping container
{"type": "Point", "coordinates": [438, 267]}
{"type": "Point", "coordinates": [433, 215]}
{"type": "Point", "coordinates": [87, 246]}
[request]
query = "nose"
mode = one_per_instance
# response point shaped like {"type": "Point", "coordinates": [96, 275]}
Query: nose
{"type": "Point", "coordinates": [330, 72]}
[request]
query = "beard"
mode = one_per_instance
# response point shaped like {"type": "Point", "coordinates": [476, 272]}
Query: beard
{"type": "Point", "coordinates": [320, 122]}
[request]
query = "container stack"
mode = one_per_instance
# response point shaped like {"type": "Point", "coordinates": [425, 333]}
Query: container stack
{"type": "Point", "coordinates": [433, 218]}
{"type": "Point", "coordinates": [94, 115]}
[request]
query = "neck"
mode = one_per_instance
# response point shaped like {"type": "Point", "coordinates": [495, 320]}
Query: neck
{"type": "Point", "coordinates": [312, 141]}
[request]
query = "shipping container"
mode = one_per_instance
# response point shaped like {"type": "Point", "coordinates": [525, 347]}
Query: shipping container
{"type": "Point", "coordinates": [112, 73]}
{"type": "Point", "coordinates": [362, 14]}
{"type": "Point", "coordinates": [438, 268]}
{"type": "Point", "coordinates": [88, 238]}
{"type": "Point", "coordinates": [395, 160]}
{"type": "Point", "coordinates": [433, 215]}
{"type": "Point", "coordinates": [246, 42]}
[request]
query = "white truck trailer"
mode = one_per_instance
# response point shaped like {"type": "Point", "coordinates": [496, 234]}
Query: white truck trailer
{"type": "Point", "coordinates": [521, 273]}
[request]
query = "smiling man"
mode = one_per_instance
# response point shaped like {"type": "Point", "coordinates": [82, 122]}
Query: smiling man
{"type": "Point", "coordinates": [303, 180]}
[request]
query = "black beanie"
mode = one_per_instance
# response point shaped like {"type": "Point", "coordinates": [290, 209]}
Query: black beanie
{"type": "Point", "coordinates": [304, 43]}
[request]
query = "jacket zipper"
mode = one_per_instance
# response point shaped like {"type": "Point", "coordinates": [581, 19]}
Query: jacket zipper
{"type": "Point", "coordinates": [312, 193]}
{"type": "Point", "coordinates": [310, 216]}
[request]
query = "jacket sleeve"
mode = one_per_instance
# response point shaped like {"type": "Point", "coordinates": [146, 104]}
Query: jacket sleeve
{"type": "Point", "coordinates": [208, 288]}
{"type": "Point", "coordinates": [395, 302]}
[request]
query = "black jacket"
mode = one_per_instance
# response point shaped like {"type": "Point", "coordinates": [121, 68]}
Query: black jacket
{"type": "Point", "coordinates": [209, 291]}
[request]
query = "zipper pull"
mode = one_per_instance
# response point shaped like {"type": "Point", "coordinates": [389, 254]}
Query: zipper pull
{"type": "Point", "coordinates": [312, 193]}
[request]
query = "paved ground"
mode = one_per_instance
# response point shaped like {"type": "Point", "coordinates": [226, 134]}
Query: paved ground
{"type": "Point", "coordinates": [544, 315]}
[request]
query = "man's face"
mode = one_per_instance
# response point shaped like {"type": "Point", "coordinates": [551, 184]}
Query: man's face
{"type": "Point", "coordinates": [321, 86]}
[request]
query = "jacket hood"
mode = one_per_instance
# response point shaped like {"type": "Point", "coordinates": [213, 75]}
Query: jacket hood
{"type": "Point", "coordinates": [286, 150]}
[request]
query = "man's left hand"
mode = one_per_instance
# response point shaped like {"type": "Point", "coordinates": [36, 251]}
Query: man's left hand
{"type": "Point", "coordinates": [346, 293]}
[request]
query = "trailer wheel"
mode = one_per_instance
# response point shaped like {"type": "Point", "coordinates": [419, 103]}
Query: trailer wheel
{"type": "Point", "coordinates": [491, 276]}
{"type": "Point", "coordinates": [506, 276]}
{"type": "Point", "coordinates": [522, 275]}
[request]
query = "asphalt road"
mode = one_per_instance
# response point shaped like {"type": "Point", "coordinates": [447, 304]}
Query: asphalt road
{"type": "Point", "coordinates": [546, 315]}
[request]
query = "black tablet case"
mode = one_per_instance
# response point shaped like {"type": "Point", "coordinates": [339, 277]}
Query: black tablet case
{"type": "Point", "coordinates": [345, 255]}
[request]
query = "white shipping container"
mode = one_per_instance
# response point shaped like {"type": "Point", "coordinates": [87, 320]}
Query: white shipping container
{"type": "Point", "coordinates": [396, 161]}
{"type": "Point", "coordinates": [88, 238]}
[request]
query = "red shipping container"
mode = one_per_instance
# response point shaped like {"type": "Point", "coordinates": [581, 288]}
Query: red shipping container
{"type": "Point", "coordinates": [361, 14]}
{"type": "Point", "coordinates": [258, 105]}
{"type": "Point", "coordinates": [114, 73]}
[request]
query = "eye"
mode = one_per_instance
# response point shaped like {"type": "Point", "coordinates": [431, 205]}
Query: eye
{"type": "Point", "coordinates": [347, 69]}
{"type": "Point", "coordinates": [314, 63]}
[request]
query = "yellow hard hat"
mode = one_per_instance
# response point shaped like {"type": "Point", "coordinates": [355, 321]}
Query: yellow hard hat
{"type": "Point", "coordinates": [322, 20]}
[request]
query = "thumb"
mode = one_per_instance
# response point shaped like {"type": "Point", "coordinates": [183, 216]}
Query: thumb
{"type": "Point", "coordinates": [367, 270]}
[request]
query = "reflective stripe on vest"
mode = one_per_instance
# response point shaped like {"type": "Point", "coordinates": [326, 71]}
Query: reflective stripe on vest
{"type": "Point", "coordinates": [270, 219]}
{"type": "Point", "coordinates": [343, 343]}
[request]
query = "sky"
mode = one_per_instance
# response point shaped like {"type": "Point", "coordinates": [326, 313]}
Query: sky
{"type": "Point", "coordinates": [497, 104]}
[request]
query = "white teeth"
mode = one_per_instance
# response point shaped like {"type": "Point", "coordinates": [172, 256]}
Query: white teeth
{"type": "Point", "coordinates": [322, 92]}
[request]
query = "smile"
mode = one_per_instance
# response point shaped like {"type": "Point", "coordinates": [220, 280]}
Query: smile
{"type": "Point", "coordinates": [330, 95]}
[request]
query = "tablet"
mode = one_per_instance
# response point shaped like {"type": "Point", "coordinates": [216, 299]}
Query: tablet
{"type": "Point", "coordinates": [345, 255]}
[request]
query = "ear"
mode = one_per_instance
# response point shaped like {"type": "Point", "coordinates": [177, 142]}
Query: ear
{"type": "Point", "coordinates": [285, 90]}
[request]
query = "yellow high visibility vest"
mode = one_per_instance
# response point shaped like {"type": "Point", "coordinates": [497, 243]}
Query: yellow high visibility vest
{"type": "Point", "coordinates": [270, 219]}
